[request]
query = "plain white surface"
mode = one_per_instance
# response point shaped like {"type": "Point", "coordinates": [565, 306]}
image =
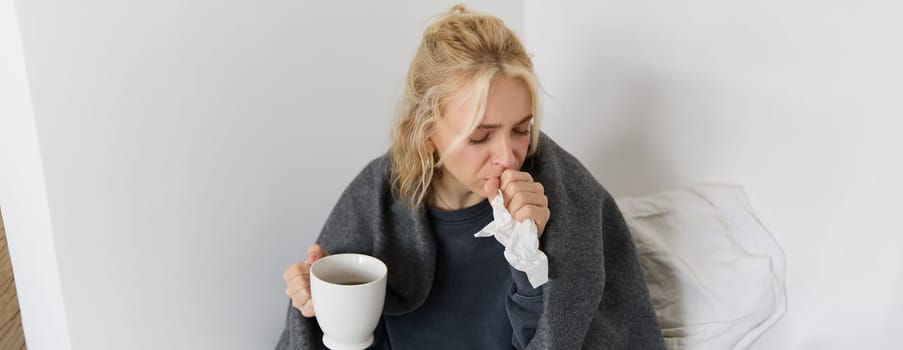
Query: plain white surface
{"type": "Point", "coordinates": [23, 199]}
{"type": "Point", "coordinates": [798, 101]}
{"type": "Point", "coordinates": [191, 151]}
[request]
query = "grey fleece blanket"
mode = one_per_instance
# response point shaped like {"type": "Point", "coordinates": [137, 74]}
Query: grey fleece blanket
{"type": "Point", "coordinates": [596, 297]}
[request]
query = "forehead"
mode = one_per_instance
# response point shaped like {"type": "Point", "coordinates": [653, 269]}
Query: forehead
{"type": "Point", "coordinates": [509, 100]}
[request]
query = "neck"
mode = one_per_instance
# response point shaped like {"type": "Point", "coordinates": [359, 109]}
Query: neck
{"type": "Point", "coordinates": [448, 197]}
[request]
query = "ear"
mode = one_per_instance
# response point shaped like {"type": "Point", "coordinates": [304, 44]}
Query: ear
{"type": "Point", "coordinates": [429, 145]}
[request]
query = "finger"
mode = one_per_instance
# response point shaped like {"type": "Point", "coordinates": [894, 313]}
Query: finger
{"type": "Point", "coordinates": [293, 270]}
{"type": "Point", "coordinates": [315, 252]}
{"type": "Point", "coordinates": [300, 297]}
{"type": "Point", "coordinates": [514, 181]}
{"type": "Point", "coordinates": [298, 283]}
{"type": "Point", "coordinates": [523, 186]}
{"type": "Point", "coordinates": [539, 215]}
{"type": "Point", "coordinates": [512, 175]}
{"type": "Point", "coordinates": [298, 277]}
{"type": "Point", "coordinates": [515, 188]}
{"type": "Point", "coordinates": [491, 187]}
{"type": "Point", "coordinates": [291, 290]}
{"type": "Point", "coordinates": [307, 310]}
{"type": "Point", "coordinates": [522, 199]}
{"type": "Point", "coordinates": [297, 293]}
{"type": "Point", "coordinates": [307, 304]}
{"type": "Point", "coordinates": [304, 294]}
{"type": "Point", "coordinates": [304, 277]}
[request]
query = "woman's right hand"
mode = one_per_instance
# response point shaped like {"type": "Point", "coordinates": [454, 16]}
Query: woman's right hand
{"type": "Point", "coordinates": [297, 281]}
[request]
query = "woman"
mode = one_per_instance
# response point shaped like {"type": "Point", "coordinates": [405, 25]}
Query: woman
{"type": "Point", "coordinates": [468, 128]}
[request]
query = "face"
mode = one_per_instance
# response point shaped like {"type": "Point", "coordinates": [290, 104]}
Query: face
{"type": "Point", "coordinates": [500, 141]}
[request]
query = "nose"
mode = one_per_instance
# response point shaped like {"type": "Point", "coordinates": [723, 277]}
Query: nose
{"type": "Point", "coordinates": [503, 153]}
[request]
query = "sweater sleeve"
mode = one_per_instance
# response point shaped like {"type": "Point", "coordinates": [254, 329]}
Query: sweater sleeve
{"type": "Point", "coordinates": [524, 306]}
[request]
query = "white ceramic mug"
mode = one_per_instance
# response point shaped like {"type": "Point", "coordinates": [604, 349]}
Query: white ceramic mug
{"type": "Point", "coordinates": [348, 292]}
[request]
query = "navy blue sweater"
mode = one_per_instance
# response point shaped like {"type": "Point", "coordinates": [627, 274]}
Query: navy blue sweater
{"type": "Point", "coordinates": [477, 300]}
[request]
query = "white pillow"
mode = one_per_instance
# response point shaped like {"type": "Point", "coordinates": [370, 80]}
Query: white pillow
{"type": "Point", "coordinates": [715, 274]}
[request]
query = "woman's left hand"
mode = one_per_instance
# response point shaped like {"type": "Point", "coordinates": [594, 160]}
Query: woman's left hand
{"type": "Point", "coordinates": [524, 198]}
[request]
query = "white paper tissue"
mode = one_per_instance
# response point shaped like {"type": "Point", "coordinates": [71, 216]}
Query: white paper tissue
{"type": "Point", "coordinates": [520, 241]}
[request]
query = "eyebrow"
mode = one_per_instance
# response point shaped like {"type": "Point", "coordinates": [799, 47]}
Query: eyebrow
{"type": "Point", "coordinates": [496, 126]}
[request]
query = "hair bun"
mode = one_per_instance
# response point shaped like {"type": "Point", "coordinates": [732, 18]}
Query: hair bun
{"type": "Point", "coordinates": [458, 9]}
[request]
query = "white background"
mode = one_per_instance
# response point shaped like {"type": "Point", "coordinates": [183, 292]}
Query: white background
{"type": "Point", "coordinates": [798, 101]}
{"type": "Point", "coordinates": [163, 161]}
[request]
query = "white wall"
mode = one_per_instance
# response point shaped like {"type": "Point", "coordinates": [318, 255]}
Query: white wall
{"type": "Point", "coordinates": [23, 199]}
{"type": "Point", "coordinates": [191, 150]}
{"type": "Point", "coordinates": [799, 101]}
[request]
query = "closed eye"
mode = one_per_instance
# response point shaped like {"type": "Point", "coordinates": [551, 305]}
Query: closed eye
{"type": "Point", "coordinates": [479, 141]}
{"type": "Point", "coordinates": [521, 129]}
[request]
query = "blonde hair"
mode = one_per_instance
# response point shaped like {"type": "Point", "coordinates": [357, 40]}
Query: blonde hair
{"type": "Point", "coordinates": [460, 50]}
